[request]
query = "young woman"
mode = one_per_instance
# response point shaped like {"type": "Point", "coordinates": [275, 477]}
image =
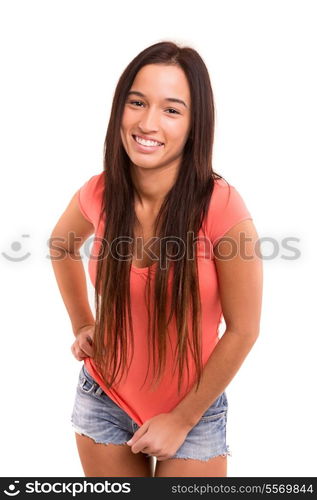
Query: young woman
{"type": "Point", "coordinates": [174, 251]}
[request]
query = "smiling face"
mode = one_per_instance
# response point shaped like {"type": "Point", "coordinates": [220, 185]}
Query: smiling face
{"type": "Point", "coordinates": [151, 113]}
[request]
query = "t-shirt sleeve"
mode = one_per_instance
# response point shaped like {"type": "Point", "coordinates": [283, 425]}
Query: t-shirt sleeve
{"type": "Point", "coordinates": [90, 198]}
{"type": "Point", "coordinates": [227, 208]}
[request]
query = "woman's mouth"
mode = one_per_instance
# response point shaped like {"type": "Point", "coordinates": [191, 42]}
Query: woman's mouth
{"type": "Point", "coordinates": [146, 146]}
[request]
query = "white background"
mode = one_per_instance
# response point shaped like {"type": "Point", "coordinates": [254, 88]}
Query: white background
{"type": "Point", "coordinates": [60, 63]}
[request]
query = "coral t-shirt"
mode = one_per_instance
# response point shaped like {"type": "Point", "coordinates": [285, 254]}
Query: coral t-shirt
{"type": "Point", "coordinates": [224, 212]}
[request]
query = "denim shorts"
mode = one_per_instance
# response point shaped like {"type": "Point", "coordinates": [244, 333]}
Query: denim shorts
{"type": "Point", "coordinates": [97, 416]}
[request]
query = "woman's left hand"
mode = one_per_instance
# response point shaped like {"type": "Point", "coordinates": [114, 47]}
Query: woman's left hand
{"type": "Point", "coordinates": [160, 436]}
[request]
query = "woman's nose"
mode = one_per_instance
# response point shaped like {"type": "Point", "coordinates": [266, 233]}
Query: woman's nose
{"type": "Point", "coordinates": [149, 121]}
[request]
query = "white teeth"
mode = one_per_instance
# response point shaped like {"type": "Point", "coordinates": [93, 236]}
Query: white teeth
{"type": "Point", "coordinates": [147, 143]}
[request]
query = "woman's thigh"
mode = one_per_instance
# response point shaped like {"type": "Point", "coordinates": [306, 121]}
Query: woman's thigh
{"type": "Point", "coordinates": [111, 460]}
{"type": "Point", "coordinates": [181, 467]}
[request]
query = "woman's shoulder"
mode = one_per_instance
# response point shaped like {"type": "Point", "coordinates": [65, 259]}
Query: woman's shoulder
{"type": "Point", "coordinates": [221, 191]}
{"type": "Point", "coordinates": [226, 208]}
{"type": "Point", "coordinates": [221, 183]}
{"type": "Point", "coordinates": [97, 180]}
{"type": "Point", "coordinates": [93, 186]}
{"type": "Point", "coordinates": [90, 197]}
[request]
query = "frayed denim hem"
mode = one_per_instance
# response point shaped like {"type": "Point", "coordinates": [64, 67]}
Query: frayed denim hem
{"type": "Point", "coordinates": [83, 433]}
{"type": "Point", "coordinates": [205, 459]}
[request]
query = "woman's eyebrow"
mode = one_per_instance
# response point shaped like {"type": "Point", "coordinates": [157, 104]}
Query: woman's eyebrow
{"type": "Point", "coordinates": [170, 99]}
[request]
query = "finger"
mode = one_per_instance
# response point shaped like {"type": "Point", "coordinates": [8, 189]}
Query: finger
{"type": "Point", "coordinates": [78, 352]}
{"type": "Point", "coordinates": [138, 434]}
{"type": "Point", "coordinates": [144, 451]}
{"type": "Point", "coordinates": [82, 355]}
{"type": "Point", "coordinates": [150, 451]}
{"type": "Point", "coordinates": [86, 348]}
{"type": "Point", "coordinates": [139, 447]}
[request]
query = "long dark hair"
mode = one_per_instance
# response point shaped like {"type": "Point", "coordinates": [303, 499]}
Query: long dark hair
{"type": "Point", "coordinates": [181, 214]}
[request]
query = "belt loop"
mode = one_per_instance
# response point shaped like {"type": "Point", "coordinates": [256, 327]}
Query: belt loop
{"type": "Point", "coordinates": [99, 391]}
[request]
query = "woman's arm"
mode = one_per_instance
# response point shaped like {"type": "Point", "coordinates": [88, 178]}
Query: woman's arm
{"type": "Point", "coordinates": [68, 235]}
{"type": "Point", "coordinates": [240, 276]}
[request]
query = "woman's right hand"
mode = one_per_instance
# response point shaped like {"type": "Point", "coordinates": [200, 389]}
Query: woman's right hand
{"type": "Point", "coordinates": [81, 348]}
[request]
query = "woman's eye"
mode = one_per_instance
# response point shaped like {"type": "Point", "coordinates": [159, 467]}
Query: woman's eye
{"type": "Point", "coordinates": [176, 112]}
{"type": "Point", "coordinates": [134, 102]}
{"type": "Point", "coordinates": [169, 109]}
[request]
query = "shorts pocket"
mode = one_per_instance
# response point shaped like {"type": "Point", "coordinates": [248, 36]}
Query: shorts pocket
{"type": "Point", "coordinates": [86, 382]}
{"type": "Point", "coordinates": [218, 408]}
{"type": "Point", "coordinates": [213, 416]}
